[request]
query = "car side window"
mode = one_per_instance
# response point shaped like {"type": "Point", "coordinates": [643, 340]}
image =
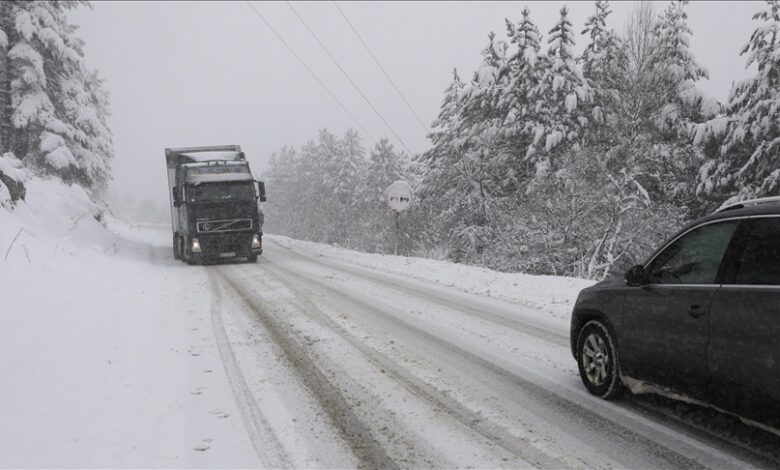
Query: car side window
{"type": "Point", "coordinates": [695, 257]}
{"type": "Point", "coordinates": [759, 262]}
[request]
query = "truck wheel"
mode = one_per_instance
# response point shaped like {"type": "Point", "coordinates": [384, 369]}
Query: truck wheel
{"type": "Point", "coordinates": [187, 255]}
{"type": "Point", "coordinates": [598, 360]}
{"type": "Point", "coordinates": [252, 258]}
{"type": "Point", "coordinates": [176, 247]}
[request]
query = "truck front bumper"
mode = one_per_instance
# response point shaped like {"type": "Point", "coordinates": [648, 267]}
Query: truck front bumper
{"type": "Point", "coordinates": [228, 245]}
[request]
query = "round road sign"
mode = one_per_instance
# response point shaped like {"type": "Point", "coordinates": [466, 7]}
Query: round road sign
{"type": "Point", "coordinates": [399, 196]}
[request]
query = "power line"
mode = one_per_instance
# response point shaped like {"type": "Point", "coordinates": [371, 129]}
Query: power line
{"type": "Point", "coordinates": [311, 72]}
{"type": "Point", "coordinates": [354, 30]}
{"type": "Point", "coordinates": [348, 77]}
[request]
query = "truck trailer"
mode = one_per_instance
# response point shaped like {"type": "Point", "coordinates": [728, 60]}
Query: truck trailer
{"type": "Point", "coordinates": [214, 204]}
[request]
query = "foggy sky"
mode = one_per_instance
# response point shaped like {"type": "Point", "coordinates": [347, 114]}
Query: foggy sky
{"type": "Point", "coordinates": [203, 73]}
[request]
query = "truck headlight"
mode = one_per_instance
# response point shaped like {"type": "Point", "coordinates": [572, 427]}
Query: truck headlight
{"type": "Point", "coordinates": [256, 241]}
{"type": "Point", "coordinates": [195, 245]}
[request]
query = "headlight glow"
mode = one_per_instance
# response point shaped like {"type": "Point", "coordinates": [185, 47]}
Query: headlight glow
{"type": "Point", "coordinates": [256, 241]}
{"type": "Point", "coordinates": [195, 245]}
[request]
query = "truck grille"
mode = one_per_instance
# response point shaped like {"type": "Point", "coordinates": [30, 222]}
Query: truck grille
{"type": "Point", "coordinates": [213, 226]}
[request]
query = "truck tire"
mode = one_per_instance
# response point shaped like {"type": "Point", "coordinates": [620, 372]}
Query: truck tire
{"type": "Point", "coordinates": [252, 258]}
{"type": "Point", "coordinates": [187, 255]}
{"type": "Point", "coordinates": [176, 247]}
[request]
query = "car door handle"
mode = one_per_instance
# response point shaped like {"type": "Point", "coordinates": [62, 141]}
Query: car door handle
{"type": "Point", "coordinates": [695, 311]}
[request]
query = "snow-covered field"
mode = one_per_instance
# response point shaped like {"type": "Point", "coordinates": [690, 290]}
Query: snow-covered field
{"type": "Point", "coordinates": [113, 354]}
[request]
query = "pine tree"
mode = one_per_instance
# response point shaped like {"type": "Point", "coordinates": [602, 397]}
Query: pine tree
{"type": "Point", "coordinates": [603, 62]}
{"type": "Point", "coordinates": [6, 108]}
{"type": "Point", "coordinates": [519, 98]}
{"type": "Point", "coordinates": [438, 160]}
{"type": "Point", "coordinates": [53, 108]}
{"type": "Point", "coordinates": [385, 166]}
{"type": "Point", "coordinates": [679, 69]}
{"type": "Point", "coordinates": [283, 216]}
{"type": "Point", "coordinates": [749, 158]}
{"type": "Point", "coordinates": [564, 93]}
{"type": "Point", "coordinates": [348, 175]}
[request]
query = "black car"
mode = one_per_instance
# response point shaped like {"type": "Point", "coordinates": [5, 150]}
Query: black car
{"type": "Point", "coordinates": [700, 318]}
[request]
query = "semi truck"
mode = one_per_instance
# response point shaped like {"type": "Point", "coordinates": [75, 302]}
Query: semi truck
{"type": "Point", "coordinates": [214, 198]}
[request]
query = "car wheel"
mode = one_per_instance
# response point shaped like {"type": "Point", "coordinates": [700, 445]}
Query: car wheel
{"type": "Point", "coordinates": [598, 360]}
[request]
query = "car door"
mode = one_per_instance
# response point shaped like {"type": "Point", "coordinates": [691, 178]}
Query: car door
{"type": "Point", "coordinates": [744, 348]}
{"type": "Point", "coordinates": [665, 320]}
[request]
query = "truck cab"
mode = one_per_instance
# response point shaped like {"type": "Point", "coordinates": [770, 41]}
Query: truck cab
{"type": "Point", "coordinates": [214, 204]}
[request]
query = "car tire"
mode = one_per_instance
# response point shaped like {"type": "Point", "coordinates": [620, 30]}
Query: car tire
{"type": "Point", "coordinates": [599, 360]}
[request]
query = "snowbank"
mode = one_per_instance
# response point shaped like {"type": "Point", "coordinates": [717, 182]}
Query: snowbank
{"type": "Point", "coordinates": [105, 351]}
{"type": "Point", "coordinates": [55, 220]}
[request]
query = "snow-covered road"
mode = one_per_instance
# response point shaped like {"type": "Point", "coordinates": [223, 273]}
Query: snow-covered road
{"type": "Point", "coordinates": [403, 373]}
{"type": "Point", "coordinates": [316, 357]}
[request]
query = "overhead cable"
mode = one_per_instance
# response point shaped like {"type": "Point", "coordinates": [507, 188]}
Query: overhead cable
{"type": "Point", "coordinates": [336, 62]}
{"type": "Point", "coordinates": [376, 60]}
{"type": "Point", "coordinates": [311, 72]}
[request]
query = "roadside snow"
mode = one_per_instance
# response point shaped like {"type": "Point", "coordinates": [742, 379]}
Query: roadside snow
{"type": "Point", "coordinates": [553, 295]}
{"type": "Point", "coordinates": [107, 359]}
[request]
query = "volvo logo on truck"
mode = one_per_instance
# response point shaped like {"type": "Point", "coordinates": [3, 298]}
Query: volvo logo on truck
{"type": "Point", "coordinates": [214, 204]}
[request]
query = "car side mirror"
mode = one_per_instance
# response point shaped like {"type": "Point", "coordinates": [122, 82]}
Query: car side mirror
{"type": "Point", "coordinates": [260, 191]}
{"type": "Point", "coordinates": [177, 196]}
{"type": "Point", "coordinates": [636, 276]}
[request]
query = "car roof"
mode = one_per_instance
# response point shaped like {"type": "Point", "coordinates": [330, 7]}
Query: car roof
{"type": "Point", "coordinates": [769, 208]}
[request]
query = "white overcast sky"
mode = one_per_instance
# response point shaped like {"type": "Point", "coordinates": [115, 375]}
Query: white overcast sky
{"type": "Point", "coordinates": [209, 73]}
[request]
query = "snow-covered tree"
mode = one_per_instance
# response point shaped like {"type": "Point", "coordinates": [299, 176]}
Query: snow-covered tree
{"type": "Point", "coordinates": [749, 156]}
{"type": "Point", "coordinates": [603, 63]}
{"type": "Point", "coordinates": [385, 166]}
{"type": "Point", "coordinates": [678, 67]}
{"type": "Point", "coordinates": [53, 108]}
{"type": "Point", "coordinates": [564, 95]}
{"type": "Point", "coordinates": [437, 161]}
{"type": "Point", "coordinates": [520, 99]}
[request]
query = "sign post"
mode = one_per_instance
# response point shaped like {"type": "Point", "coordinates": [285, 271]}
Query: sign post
{"type": "Point", "coordinates": [398, 197]}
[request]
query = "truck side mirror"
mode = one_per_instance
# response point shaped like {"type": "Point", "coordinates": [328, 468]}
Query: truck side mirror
{"type": "Point", "coordinates": [261, 191]}
{"type": "Point", "coordinates": [177, 196]}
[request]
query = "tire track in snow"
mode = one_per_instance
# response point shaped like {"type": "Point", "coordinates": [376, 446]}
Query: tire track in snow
{"type": "Point", "coordinates": [332, 402]}
{"type": "Point", "coordinates": [519, 447]}
{"type": "Point", "coordinates": [260, 432]}
{"type": "Point", "coordinates": [667, 445]}
{"type": "Point", "coordinates": [468, 308]}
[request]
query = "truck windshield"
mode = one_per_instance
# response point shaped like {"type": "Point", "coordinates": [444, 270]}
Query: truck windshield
{"type": "Point", "coordinates": [205, 192]}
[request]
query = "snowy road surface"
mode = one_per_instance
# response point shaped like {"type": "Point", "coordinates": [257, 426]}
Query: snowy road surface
{"type": "Point", "coordinates": [316, 357]}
